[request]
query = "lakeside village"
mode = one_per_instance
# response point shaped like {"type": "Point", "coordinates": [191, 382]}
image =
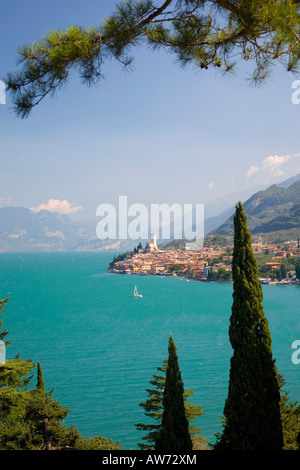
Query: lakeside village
{"type": "Point", "coordinates": [277, 264]}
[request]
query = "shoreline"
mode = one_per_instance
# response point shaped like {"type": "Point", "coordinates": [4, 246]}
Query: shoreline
{"type": "Point", "coordinates": [262, 281]}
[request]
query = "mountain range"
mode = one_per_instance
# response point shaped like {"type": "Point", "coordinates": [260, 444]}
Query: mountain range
{"type": "Point", "coordinates": [274, 211]}
{"type": "Point", "coordinates": [22, 230]}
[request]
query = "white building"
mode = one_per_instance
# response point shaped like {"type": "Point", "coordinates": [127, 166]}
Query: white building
{"type": "Point", "coordinates": [152, 245]}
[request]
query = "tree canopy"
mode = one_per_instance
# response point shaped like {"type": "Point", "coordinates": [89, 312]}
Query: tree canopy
{"type": "Point", "coordinates": [205, 33]}
{"type": "Point", "coordinates": [30, 418]}
{"type": "Point", "coordinates": [174, 432]}
{"type": "Point", "coordinates": [252, 408]}
{"type": "Point", "coordinates": [153, 408]}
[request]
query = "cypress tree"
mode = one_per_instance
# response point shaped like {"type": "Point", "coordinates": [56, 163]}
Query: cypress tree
{"type": "Point", "coordinates": [40, 388]}
{"type": "Point", "coordinates": [40, 379]}
{"type": "Point", "coordinates": [174, 431]}
{"type": "Point", "coordinates": [252, 408]}
{"type": "Point", "coordinates": [154, 409]}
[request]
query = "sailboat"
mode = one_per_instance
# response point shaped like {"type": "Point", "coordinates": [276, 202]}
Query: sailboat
{"type": "Point", "coordinates": [136, 294]}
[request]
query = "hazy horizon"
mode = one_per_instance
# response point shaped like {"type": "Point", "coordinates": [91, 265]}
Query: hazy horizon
{"type": "Point", "coordinates": [158, 133]}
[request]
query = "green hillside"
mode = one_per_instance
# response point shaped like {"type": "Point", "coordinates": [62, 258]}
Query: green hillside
{"type": "Point", "coordinates": [275, 211]}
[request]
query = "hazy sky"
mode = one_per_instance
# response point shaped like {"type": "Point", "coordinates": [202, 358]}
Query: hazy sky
{"type": "Point", "coordinates": [155, 134]}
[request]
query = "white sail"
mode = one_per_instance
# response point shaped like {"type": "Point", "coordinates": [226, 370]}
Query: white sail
{"type": "Point", "coordinates": [136, 294]}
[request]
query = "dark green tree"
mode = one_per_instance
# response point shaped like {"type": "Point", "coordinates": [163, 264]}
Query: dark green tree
{"type": "Point", "coordinates": [174, 431]}
{"type": "Point", "coordinates": [30, 419]}
{"type": "Point", "coordinates": [15, 377]}
{"type": "Point", "coordinates": [283, 271]}
{"type": "Point", "coordinates": [298, 270]}
{"type": "Point", "coordinates": [45, 416]}
{"type": "Point", "coordinates": [278, 274]}
{"type": "Point", "coordinates": [252, 408]}
{"type": "Point", "coordinates": [204, 33]}
{"type": "Point", "coordinates": [290, 415]}
{"type": "Point", "coordinates": [153, 408]}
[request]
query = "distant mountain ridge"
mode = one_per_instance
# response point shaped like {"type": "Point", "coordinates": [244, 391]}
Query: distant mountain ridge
{"type": "Point", "coordinates": [275, 209]}
{"type": "Point", "coordinates": [290, 181]}
{"type": "Point", "coordinates": [22, 230]}
{"type": "Point", "coordinates": [213, 223]}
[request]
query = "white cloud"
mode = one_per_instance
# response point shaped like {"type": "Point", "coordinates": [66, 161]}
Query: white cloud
{"type": "Point", "coordinates": [271, 166]}
{"type": "Point", "coordinates": [211, 185]}
{"type": "Point", "coordinates": [56, 205]}
{"type": "Point", "coordinates": [252, 170]}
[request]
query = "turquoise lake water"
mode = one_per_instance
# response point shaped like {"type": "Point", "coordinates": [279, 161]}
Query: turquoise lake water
{"type": "Point", "coordinates": [99, 346]}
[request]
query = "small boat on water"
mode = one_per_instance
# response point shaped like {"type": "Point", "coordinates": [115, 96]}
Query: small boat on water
{"type": "Point", "coordinates": [136, 294]}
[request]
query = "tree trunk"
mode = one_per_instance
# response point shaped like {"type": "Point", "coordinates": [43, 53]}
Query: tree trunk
{"type": "Point", "coordinates": [47, 439]}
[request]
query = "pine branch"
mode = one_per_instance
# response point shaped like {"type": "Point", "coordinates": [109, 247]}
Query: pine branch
{"type": "Point", "coordinates": [157, 12]}
{"type": "Point", "coordinates": [206, 33]}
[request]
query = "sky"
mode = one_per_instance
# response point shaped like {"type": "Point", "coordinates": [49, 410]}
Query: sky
{"type": "Point", "coordinates": [157, 133]}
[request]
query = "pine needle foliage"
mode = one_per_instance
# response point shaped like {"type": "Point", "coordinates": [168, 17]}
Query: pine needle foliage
{"type": "Point", "coordinates": [204, 33]}
{"type": "Point", "coordinates": [174, 431]}
{"type": "Point", "coordinates": [153, 408]}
